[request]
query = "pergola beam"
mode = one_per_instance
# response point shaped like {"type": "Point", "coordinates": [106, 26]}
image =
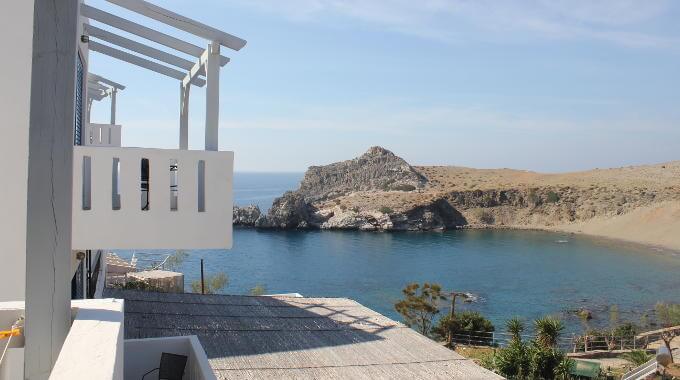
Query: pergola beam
{"type": "Point", "coordinates": [141, 62]}
{"type": "Point", "coordinates": [96, 96]}
{"type": "Point", "coordinates": [137, 47]}
{"type": "Point", "coordinates": [182, 23]}
{"type": "Point", "coordinates": [197, 69]}
{"type": "Point", "coordinates": [144, 32]}
{"type": "Point", "coordinates": [96, 86]}
{"type": "Point", "coordinates": [101, 79]}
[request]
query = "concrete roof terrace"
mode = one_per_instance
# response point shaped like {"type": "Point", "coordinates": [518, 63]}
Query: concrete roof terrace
{"type": "Point", "coordinates": [287, 337]}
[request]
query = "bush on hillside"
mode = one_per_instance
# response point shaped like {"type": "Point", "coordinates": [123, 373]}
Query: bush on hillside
{"type": "Point", "coordinates": [552, 197]}
{"type": "Point", "coordinates": [386, 210]}
{"type": "Point", "coordinates": [403, 187]}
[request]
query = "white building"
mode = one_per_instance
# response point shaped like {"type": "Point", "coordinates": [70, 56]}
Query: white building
{"type": "Point", "coordinates": [71, 190]}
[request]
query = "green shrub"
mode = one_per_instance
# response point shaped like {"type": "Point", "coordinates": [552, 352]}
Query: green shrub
{"type": "Point", "coordinates": [637, 357]}
{"type": "Point", "coordinates": [213, 283]}
{"type": "Point", "coordinates": [138, 285]}
{"type": "Point", "coordinates": [552, 197]}
{"type": "Point", "coordinates": [467, 323]}
{"type": "Point", "coordinates": [403, 187]}
{"type": "Point", "coordinates": [258, 290]}
{"type": "Point", "coordinates": [386, 210]}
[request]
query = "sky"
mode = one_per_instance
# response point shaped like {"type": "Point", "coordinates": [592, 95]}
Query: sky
{"type": "Point", "coordinates": [544, 85]}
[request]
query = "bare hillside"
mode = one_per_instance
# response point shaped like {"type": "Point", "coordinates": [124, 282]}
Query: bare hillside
{"type": "Point", "coordinates": [380, 191]}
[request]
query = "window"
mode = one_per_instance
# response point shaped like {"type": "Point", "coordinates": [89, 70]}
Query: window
{"type": "Point", "coordinates": [115, 187]}
{"type": "Point", "coordinates": [146, 194]}
{"type": "Point", "coordinates": [87, 183]}
{"type": "Point", "coordinates": [78, 127]}
{"type": "Point", "coordinates": [201, 186]}
{"type": "Point", "coordinates": [173, 185]}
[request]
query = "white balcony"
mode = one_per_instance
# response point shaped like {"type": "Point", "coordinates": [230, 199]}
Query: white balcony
{"type": "Point", "coordinates": [102, 135]}
{"type": "Point", "coordinates": [134, 198]}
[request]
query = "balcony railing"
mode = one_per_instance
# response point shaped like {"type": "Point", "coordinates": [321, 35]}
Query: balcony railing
{"type": "Point", "coordinates": [134, 198]}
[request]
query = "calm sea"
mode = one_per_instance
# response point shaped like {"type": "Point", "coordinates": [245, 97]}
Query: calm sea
{"type": "Point", "coordinates": [523, 273]}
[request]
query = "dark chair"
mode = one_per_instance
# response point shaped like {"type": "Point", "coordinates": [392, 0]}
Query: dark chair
{"type": "Point", "coordinates": [171, 367]}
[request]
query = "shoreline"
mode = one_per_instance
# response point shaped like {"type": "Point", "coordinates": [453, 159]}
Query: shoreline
{"type": "Point", "coordinates": [570, 231]}
{"type": "Point", "coordinates": [658, 248]}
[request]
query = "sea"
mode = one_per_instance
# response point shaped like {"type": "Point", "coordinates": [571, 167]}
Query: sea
{"type": "Point", "coordinates": [509, 273]}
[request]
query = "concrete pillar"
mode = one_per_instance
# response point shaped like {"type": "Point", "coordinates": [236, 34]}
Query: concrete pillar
{"type": "Point", "coordinates": [50, 181]}
{"type": "Point", "coordinates": [212, 96]}
{"type": "Point", "coordinates": [113, 105]}
{"type": "Point", "coordinates": [89, 107]}
{"type": "Point", "coordinates": [184, 115]}
{"type": "Point", "coordinates": [16, 39]}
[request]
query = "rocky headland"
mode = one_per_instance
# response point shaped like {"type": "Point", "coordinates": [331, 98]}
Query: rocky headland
{"type": "Point", "coordinates": [379, 191]}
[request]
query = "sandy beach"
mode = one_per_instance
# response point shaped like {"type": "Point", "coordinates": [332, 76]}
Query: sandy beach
{"type": "Point", "coordinates": [657, 225]}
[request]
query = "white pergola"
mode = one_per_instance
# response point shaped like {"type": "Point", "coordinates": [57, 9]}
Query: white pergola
{"type": "Point", "coordinates": [99, 88]}
{"type": "Point", "coordinates": [204, 71]}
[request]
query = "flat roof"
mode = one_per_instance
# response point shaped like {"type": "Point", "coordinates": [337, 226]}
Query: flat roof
{"type": "Point", "coordinates": [289, 337]}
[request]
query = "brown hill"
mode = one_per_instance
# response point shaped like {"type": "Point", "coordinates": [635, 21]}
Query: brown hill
{"type": "Point", "coordinates": [380, 191]}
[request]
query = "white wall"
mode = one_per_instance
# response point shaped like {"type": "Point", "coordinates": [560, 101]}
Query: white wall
{"type": "Point", "coordinates": [16, 41]}
{"type": "Point", "coordinates": [142, 355]}
{"type": "Point", "coordinates": [50, 183]}
{"type": "Point", "coordinates": [94, 346]}
{"type": "Point", "coordinates": [159, 227]}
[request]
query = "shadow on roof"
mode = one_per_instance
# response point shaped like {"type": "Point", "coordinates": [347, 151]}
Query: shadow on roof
{"type": "Point", "coordinates": [230, 326]}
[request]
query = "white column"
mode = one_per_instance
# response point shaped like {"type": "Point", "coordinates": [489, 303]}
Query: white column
{"type": "Point", "coordinates": [212, 96]}
{"type": "Point", "coordinates": [184, 115]}
{"type": "Point", "coordinates": [113, 105]}
{"type": "Point", "coordinates": [89, 107]}
{"type": "Point", "coordinates": [50, 182]}
{"type": "Point", "coordinates": [16, 39]}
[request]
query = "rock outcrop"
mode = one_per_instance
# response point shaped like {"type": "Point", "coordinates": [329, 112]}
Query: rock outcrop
{"type": "Point", "coordinates": [289, 211]}
{"type": "Point", "coordinates": [377, 169]}
{"type": "Point", "coordinates": [246, 215]}
{"type": "Point", "coordinates": [380, 191]}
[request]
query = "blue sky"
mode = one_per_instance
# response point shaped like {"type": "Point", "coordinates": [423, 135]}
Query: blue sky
{"type": "Point", "coordinates": [540, 85]}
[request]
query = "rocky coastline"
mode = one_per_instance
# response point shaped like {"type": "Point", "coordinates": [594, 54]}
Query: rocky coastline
{"type": "Point", "coordinates": [379, 191]}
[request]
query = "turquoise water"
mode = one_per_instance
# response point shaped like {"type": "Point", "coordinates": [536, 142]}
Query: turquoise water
{"type": "Point", "coordinates": [525, 273]}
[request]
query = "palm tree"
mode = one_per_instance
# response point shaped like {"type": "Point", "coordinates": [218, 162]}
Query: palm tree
{"type": "Point", "coordinates": [563, 370]}
{"type": "Point", "coordinates": [515, 326]}
{"type": "Point", "coordinates": [637, 357]}
{"type": "Point", "coordinates": [548, 330]}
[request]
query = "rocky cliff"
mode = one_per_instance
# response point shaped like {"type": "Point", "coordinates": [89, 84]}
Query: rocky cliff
{"type": "Point", "coordinates": [377, 169]}
{"type": "Point", "coordinates": [379, 191]}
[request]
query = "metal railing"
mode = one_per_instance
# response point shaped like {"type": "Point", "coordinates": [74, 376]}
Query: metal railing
{"type": "Point", "coordinates": [139, 262]}
{"type": "Point", "coordinates": [642, 371]}
{"type": "Point", "coordinates": [574, 344]}
{"type": "Point", "coordinates": [150, 261]}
